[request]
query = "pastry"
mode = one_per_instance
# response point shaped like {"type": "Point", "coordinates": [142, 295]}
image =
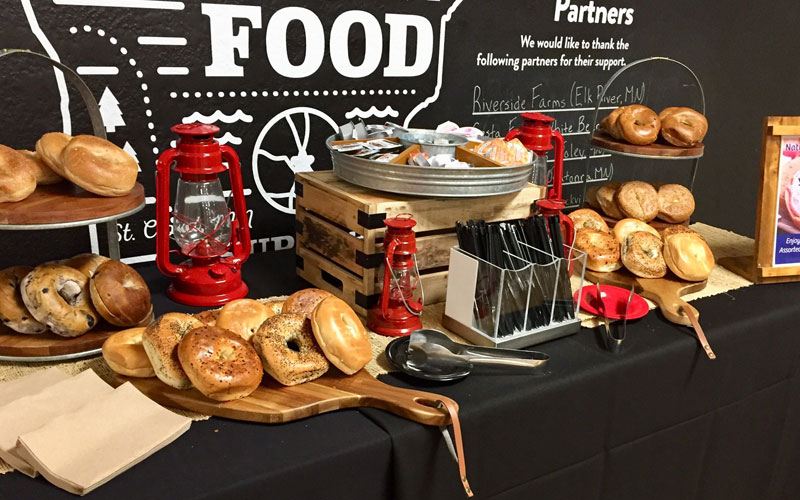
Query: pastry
{"type": "Point", "coordinates": [688, 256]}
{"type": "Point", "coordinates": [606, 197]}
{"type": "Point", "coordinates": [99, 166]}
{"type": "Point", "coordinates": [208, 317]}
{"type": "Point", "coordinates": [58, 296]}
{"type": "Point", "coordinates": [125, 354]}
{"type": "Point", "coordinates": [276, 306]}
{"type": "Point", "coordinates": [160, 341]}
{"type": "Point", "coordinates": [675, 203]}
{"type": "Point", "coordinates": [341, 335]}
{"type": "Point", "coordinates": [642, 255]}
{"type": "Point", "coordinates": [288, 351]}
{"type": "Point", "coordinates": [44, 175]}
{"type": "Point", "coordinates": [49, 148]}
{"type": "Point", "coordinates": [220, 364]}
{"type": "Point", "coordinates": [638, 124]}
{"type": "Point", "coordinates": [638, 200]}
{"type": "Point", "coordinates": [683, 127]}
{"type": "Point", "coordinates": [610, 123]}
{"type": "Point", "coordinates": [591, 197]}
{"type": "Point", "coordinates": [120, 294]}
{"type": "Point", "coordinates": [627, 226]}
{"type": "Point", "coordinates": [304, 301]}
{"type": "Point", "coordinates": [243, 317]}
{"type": "Point", "coordinates": [588, 219]}
{"type": "Point", "coordinates": [601, 249]}
{"type": "Point", "coordinates": [16, 181]}
{"type": "Point", "coordinates": [13, 312]}
{"type": "Point", "coordinates": [87, 263]}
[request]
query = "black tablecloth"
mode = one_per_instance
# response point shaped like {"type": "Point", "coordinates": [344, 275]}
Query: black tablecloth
{"type": "Point", "coordinates": [657, 421]}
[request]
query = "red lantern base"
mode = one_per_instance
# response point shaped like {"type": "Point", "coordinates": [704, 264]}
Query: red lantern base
{"type": "Point", "coordinates": [396, 325]}
{"type": "Point", "coordinates": [207, 285]}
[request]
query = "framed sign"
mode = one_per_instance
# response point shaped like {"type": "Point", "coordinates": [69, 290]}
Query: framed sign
{"type": "Point", "coordinates": [777, 248]}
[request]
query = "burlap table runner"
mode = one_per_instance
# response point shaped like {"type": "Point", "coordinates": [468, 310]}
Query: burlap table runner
{"type": "Point", "coordinates": [723, 243]}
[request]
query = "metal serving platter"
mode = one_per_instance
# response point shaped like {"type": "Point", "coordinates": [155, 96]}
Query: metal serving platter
{"type": "Point", "coordinates": [429, 181]}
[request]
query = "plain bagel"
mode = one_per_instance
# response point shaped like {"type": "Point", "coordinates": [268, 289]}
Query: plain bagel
{"type": "Point", "coordinates": [160, 341]}
{"type": "Point", "coordinates": [638, 124]}
{"type": "Point", "coordinates": [243, 317]}
{"type": "Point", "coordinates": [58, 296]}
{"type": "Point", "coordinates": [221, 364]}
{"type": "Point", "coordinates": [627, 226]}
{"type": "Point", "coordinates": [341, 335]}
{"type": "Point", "coordinates": [125, 354]}
{"type": "Point", "coordinates": [120, 294]}
{"type": "Point", "coordinates": [688, 256]}
{"type": "Point", "coordinates": [13, 312]}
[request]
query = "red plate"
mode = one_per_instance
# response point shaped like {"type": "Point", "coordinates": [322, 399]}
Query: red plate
{"type": "Point", "coordinates": [614, 300]}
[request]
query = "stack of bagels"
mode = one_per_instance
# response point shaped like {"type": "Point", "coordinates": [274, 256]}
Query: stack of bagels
{"type": "Point", "coordinates": [94, 164]}
{"type": "Point", "coordinates": [640, 125]}
{"type": "Point", "coordinates": [223, 353]}
{"type": "Point", "coordinates": [640, 248]}
{"type": "Point", "coordinates": [69, 297]}
{"type": "Point", "coordinates": [670, 203]}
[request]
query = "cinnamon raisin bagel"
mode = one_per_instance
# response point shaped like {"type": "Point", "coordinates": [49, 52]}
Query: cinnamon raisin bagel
{"type": "Point", "coordinates": [586, 218]}
{"type": "Point", "coordinates": [58, 296]}
{"type": "Point", "coordinates": [13, 312]}
{"type": "Point", "coordinates": [601, 249]}
{"type": "Point", "coordinates": [638, 200]}
{"type": "Point", "coordinates": [642, 255]}
{"type": "Point", "coordinates": [288, 350]}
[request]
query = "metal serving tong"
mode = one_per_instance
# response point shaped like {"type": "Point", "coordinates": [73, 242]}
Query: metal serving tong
{"type": "Point", "coordinates": [613, 339]}
{"type": "Point", "coordinates": [433, 348]}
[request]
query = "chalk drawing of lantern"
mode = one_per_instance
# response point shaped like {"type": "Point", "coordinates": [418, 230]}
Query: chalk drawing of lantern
{"type": "Point", "coordinates": [270, 149]}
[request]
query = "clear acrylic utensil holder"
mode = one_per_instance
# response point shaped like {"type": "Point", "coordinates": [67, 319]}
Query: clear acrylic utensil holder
{"type": "Point", "coordinates": [519, 307]}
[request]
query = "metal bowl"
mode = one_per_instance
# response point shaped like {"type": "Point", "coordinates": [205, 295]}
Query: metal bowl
{"type": "Point", "coordinates": [431, 142]}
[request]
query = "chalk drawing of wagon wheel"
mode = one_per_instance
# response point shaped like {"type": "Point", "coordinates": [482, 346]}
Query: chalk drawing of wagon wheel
{"type": "Point", "coordinates": [299, 162]}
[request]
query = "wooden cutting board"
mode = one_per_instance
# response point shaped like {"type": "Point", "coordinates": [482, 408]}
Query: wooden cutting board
{"type": "Point", "coordinates": [658, 148]}
{"type": "Point", "coordinates": [274, 403]}
{"type": "Point", "coordinates": [666, 292]}
{"type": "Point", "coordinates": [50, 344]}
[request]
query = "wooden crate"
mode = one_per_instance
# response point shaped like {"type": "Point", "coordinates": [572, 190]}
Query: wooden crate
{"type": "Point", "coordinates": [340, 233]}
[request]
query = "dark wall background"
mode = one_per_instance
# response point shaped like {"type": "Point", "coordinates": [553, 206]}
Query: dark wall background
{"type": "Point", "coordinates": [742, 57]}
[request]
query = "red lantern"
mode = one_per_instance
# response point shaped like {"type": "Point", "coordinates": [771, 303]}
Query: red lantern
{"type": "Point", "coordinates": [399, 310]}
{"type": "Point", "coordinates": [537, 134]}
{"type": "Point", "coordinates": [215, 243]}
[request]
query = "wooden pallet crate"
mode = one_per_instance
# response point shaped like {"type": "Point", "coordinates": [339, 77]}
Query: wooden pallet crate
{"type": "Point", "coordinates": [340, 233]}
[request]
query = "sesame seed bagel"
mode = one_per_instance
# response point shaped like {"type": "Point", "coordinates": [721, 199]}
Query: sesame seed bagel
{"type": "Point", "coordinates": [641, 255]}
{"type": "Point", "coordinates": [160, 341]}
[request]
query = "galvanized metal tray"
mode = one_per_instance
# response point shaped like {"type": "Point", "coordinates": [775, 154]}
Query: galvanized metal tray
{"type": "Point", "coordinates": [429, 181]}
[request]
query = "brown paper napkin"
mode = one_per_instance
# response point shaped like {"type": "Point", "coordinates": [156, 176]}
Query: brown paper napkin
{"type": "Point", "coordinates": [82, 450]}
{"type": "Point", "coordinates": [32, 384]}
{"type": "Point", "coordinates": [30, 412]}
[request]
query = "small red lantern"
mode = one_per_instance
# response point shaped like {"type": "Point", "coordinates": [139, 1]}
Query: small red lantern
{"type": "Point", "coordinates": [215, 243]}
{"type": "Point", "coordinates": [537, 134]}
{"type": "Point", "coordinates": [399, 310]}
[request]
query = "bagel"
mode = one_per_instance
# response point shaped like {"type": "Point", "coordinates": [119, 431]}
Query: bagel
{"type": "Point", "coordinates": [675, 203]}
{"type": "Point", "coordinates": [160, 341]}
{"type": "Point", "coordinates": [16, 181]}
{"type": "Point", "coordinates": [125, 354]}
{"type": "Point", "coordinates": [35, 165]}
{"type": "Point", "coordinates": [276, 306]}
{"type": "Point", "coordinates": [49, 148]}
{"type": "Point", "coordinates": [13, 313]}
{"type": "Point", "coordinates": [683, 127]}
{"type": "Point", "coordinates": [208, 317]}
{"type": "Point", "coordinates": [341, 335]}
{"type": "Point", "coordinates": [58, 296]}
{"type": "Point", "coordinates": [606, 198]}
{"type": "Point", "coordinates": [120, 294]}
{"type": "Point", "coordinates": [288, 351]}
{"type": "Point", "coordinates": [99, 166]}
{"type": "Point", "coordinates": [642, 255]}
{"type": "Point", "coordinates": [243, 317]}
{"type": "Point", "coordinates": [601, 249]}
{"type": "Point", "coordinates": [627, 226]}
{"type": "Point", "coordinates": [591, 197]}
{"type": "Point", "coordinates": [304, 301]}
{"type": "Point", "coordinates": [676, 229]}
{"type": "Point", "coordinates": [87, 263]}
{"type": "Point", "coordinates": [610, 124]}
{"type": "Point", "coordinates": [688, 256]}
{"type": "Point", "coordinates": [586, 218]}
{"type": "Point", "coordinates": [638, 200]}
{"type": "Point", "coordinates": [638, 124]}
{"type": "Point", "coordinates": [221, 364]}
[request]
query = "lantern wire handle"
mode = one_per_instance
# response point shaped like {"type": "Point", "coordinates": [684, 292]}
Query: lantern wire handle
{"type": "Point", "coordinates": [419, 285]}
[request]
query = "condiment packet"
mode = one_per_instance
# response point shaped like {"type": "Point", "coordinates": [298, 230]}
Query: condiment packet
{"type": "Point", "coordinates": [441, 160]}
{"type": "Point", "coordinates": [418, 159]}
{"type": "Point", "coordinates": [347, 148]}
{"type": "Point", "coordinates": [386, 157]}
{"type": "Point", "coordinates": [28, 413]}
{"type": "Point", "coordinates": [383, 144]}
{"type": "Point", "coordinates": [82, 450]}
{"type": "Point", "coordinates": [32, 384]}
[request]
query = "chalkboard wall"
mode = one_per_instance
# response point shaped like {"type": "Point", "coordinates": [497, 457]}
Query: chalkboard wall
{"type": "Point", "coordinates": [278, 76]}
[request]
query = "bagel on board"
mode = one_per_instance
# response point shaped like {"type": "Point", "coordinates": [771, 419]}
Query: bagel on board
{"type": "Point", "coordinates": [601, 249]}
{"type": "Point", "coordinates": [58, 296]}
{"type": "Point", "coordinates": [288, 351]}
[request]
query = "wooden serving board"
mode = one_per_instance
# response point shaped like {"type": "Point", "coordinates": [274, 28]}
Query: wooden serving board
{"type": "Point", "coordinates": [658, 225]}
{"type": "Point", "coordinates": [273, 403]}
{"type": "Point", "coordinates": [64, 202]}
{"type": "Point", "coordinates": [666, 292]}
{"type": "Point", "coordinates": [50, 344]}
{"type": "Point", "coordinates": [658, 149]}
